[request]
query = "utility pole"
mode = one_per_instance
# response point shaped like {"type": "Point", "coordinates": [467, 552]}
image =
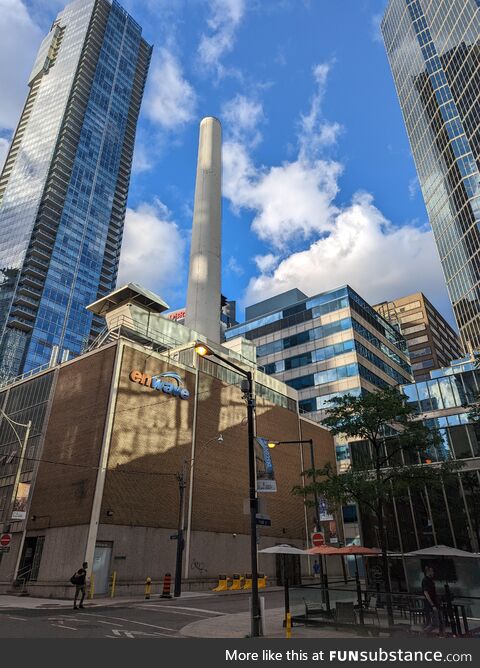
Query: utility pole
{"type": "Point", "coordinates": [181, 522]}
{"type": "Point", "coordinates": [247, 389]}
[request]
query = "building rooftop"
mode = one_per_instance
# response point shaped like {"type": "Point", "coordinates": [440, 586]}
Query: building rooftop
{"type": "Point", "coordinates": [133, 293]}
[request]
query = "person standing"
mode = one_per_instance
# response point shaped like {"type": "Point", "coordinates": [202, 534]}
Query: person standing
{"type": "Point", "coordinates": [432, 605]}
{"type": "Point", "coordinates": [79, 580]}
{"type": "Point", "coordinates": [316, 569]}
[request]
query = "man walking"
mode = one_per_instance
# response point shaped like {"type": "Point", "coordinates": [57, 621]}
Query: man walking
{"type": "Point", "coordinates": [432, 606]}
{"type": "Point", "coordinates": [79, 580]}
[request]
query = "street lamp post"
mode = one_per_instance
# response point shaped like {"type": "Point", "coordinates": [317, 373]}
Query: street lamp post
{"type": "Point", "coordinates": [247, 389]}
{"type": "Point", "coordinates": [182, 483]}
{"type": "Point", "coordinates": [272, 444]}
{"type": "Point", "coordinates": [181, 478]}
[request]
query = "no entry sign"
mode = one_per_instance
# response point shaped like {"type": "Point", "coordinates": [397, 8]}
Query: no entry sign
{"type": "Point", "coordinates": [5, 539]}
{"type": "Point", "coordinates": [318, 539]}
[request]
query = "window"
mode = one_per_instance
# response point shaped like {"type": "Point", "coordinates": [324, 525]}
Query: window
{"type": "Point", "coordinates": [411, 317]}
{"type": "Point", "coordinates": [420, 352]}
{"type": "Point", "coordinates": [415, 328]}
{"type": "Point", "coordinates": [409, 307]}
{"type": "Point", "coordinates": [418, 339]}
{"type": "Point", "coordinates": [426, 364]}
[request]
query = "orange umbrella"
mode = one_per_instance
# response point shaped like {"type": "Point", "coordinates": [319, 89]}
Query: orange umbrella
{"type": "Point", "coordinates": [323, 549]}
{"type": "Point", "coordinates": [360, 550]}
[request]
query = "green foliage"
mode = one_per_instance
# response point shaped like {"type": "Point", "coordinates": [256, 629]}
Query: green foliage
{"type": "Point", "coordinates": [390, 439]}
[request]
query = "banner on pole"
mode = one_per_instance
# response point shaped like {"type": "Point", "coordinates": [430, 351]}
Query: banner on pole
{"type": "Point", "coordinates": [265, 476]}
{"type": "Point", "coordinates": [19, 511]}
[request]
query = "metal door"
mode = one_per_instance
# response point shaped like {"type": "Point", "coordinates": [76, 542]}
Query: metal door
{"type": "Point", "coordinates": [101, 566]}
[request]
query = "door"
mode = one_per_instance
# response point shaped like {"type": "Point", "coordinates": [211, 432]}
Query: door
{"type": "Point", "coordinates": [101, 566]}
{"type": "Point", "coordinates": [30, 562]}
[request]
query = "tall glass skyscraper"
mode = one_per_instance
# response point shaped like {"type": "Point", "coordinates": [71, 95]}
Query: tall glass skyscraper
{"type": "Point", "coordinates": [64, 186]}
{"type": "Point", "coordinates": [434, 52]}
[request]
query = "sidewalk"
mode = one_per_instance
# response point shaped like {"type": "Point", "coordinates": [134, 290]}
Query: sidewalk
{"type": "Point", "coordinates": [12, 602]}
{"type": "Point", "coordinates": [238, 626]}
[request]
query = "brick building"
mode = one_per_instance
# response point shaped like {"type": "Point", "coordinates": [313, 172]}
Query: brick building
{"type": "Point", "coordinates": [102, 463]}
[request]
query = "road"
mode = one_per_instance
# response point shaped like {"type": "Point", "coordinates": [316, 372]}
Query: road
{"type": "Point", "coordinates": [155, 618]}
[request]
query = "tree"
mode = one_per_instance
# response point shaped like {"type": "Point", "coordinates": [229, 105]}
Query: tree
{"type": "Point", "coordinates": [387, 444]}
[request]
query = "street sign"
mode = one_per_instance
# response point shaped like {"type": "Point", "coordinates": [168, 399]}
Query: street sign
{"type": "Point", "coordinates": [4, 549]}
{"type": "Point", "coordinates": [5, 539]}
{"type": "Point", "coordinates": [263, 520]}
{"type": "Point", "coordinates": [318, 539]}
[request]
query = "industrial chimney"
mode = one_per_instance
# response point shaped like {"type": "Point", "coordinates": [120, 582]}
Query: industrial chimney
{"type": "Point", "coordinates": [203, 294]}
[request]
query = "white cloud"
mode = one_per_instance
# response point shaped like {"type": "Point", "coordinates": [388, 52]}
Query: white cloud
{"type": "Point", "coordinates": [354, 244]}
{"type": "Point", "coordinates": [226, 16]}
{"type": "Point", "coordinates": [266, 263]}
{"type": "Point", "coordinates": [153, 249]}
{"type": "Point", "coordinates": [316, 133]}
{"type": "Point", "coordinates": [4, 144]}
{"type": "Point", "coordinates": [170, 99]}
{"type": "Point", "coordinates": [20, 37]}
{"type": "Point", "coordinates": [413, 187]}
{"type": "Point", "coordinates": [365, 250]}
{"type": "Point", "coordinates": [377, 28]}
{"type": "Point", "coordinates": [291, 201]}
{"type": "Point", "coordinates": [241, 117]}
{"type": "Point", "coordinates": [234, 267]}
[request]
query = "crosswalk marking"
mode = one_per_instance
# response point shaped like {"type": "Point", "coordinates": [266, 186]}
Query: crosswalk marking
{"type": "Point", "coordinates": [195, 615]}
{"type": "Point", "coordinates": [166, 606]}
{"type": "Point", "coordinates": [131, 621]}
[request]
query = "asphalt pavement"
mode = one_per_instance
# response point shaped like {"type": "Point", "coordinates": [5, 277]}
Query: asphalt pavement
{"type": "Point", "coordinates": [193, 615]}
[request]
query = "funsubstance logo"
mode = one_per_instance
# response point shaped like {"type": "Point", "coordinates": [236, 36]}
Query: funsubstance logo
{"type": "Point", "coordinates": [168, 382]}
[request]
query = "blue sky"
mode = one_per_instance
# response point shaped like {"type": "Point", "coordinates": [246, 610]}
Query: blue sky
{"type": "Point", "coordinates": [319, 185]}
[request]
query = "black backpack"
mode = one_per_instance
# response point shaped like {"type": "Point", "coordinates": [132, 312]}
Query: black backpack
{"type": "Point", "coordinates": [75, 579]}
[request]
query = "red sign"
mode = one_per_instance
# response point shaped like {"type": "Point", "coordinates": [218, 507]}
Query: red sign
{"type": "Point", "coordinates": [5, 539]}
{"type": "Point", "coordinates": [318, 539]}
{"type": "Point", "coordinates": [176, 315]}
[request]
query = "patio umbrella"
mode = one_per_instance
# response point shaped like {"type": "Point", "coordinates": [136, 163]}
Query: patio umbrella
{"type": "Point", "coordinates": [444, 552]}
{"type": "Point", "coordinates": [364, 552]}
{"type": "Point", "coordinates": [324, 550]}
{"type": "Point", "coordinates": [283, 550]}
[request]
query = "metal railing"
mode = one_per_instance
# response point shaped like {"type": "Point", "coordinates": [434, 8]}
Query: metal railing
{"type": "Point", "coordinates": [309, 604]}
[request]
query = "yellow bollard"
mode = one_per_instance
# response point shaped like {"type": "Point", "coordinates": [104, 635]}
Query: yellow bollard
{"type": "Point", "coordinates": [148, 586]}
{"type": "Point", "coordinates": [248, 581]}
{"type": "Point", "coordinates": [91, 589]}
{"type": "Point", "coordinates": [114, 582]}
{"type": "Point", "coordinates": [262, 581]}
{"type": "Point", "coordinates": [236, 582]}
{"type": "Point", "coordinates": [288, 625]}
{"type": "Point", "coordinates": [222, 583]}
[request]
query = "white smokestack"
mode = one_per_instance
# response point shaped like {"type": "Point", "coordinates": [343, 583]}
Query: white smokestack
{"type": "Point", "coordinates": [203, 295]}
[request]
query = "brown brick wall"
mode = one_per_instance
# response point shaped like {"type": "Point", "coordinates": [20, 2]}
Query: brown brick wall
{"type": "Point", "coordinates": [152, 435]}
{"type": "Point", "coordinates": [67, 474]}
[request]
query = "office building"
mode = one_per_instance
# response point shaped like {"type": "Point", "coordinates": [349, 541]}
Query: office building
{"type": "Point", "coordinates": [432, 343]}
{"type": "Point", "coordinates": [450, 513]}
{"type": "Point", "coordinates": [112, 430]}
{"type": "Point", "coordinates": [64, 186]}
{"type": "Point", "coordinates": [433, 47]}
{"type": "Point", "coordinates": [325, 346]}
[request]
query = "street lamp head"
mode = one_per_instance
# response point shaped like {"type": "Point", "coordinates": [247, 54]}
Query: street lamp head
{"type": "Point", "coordinates": [272, 444]}
{"type": "Point", "coordinates": [202, 350]}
